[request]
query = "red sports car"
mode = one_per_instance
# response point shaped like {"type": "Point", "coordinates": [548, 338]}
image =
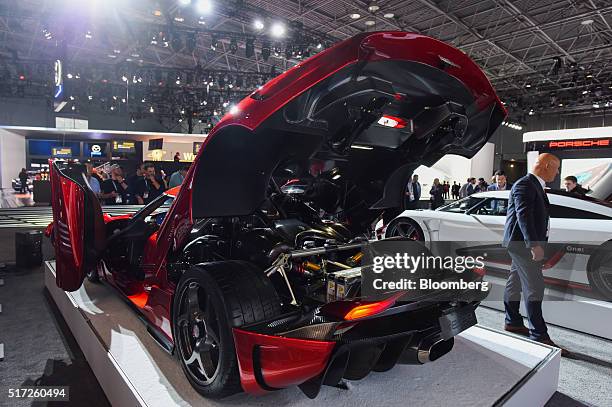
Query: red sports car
{"type": "Point", "coordinates": [256, 288]}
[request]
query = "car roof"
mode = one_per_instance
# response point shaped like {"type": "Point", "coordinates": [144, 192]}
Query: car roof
{"type": "Point", "coordinates": [492, 194]}
{"type": "Point", "coordinates": [560, 198]}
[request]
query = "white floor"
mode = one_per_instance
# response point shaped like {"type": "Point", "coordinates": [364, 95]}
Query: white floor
{"type": "Point", "coordinates": [133, 369]}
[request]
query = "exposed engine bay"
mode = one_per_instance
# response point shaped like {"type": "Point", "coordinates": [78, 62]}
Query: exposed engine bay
{"type": "Point", "coordinates": [311, 257]}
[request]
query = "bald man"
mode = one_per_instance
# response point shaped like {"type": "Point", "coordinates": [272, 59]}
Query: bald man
{"type": "Point", "coordinates": [525, 236]}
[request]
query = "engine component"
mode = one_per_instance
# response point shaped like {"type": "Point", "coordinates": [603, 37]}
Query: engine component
{"type": "Point", "coordinates": [343, 284]}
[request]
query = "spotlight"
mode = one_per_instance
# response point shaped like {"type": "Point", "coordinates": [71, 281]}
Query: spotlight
{"type": "Point", "coordinates": [370, 23]}
{"type": "Point", "coordinates": [182, 111]}
{"type": "Point", "coordinates": [355, 16]}
{"type": "Point", "coordinates": [73, 107]}
{"type": "Point", "coordinates": [204, 6]}
{"type": "Point", "coordinates": [596, 105]}
{"type": "Point", "coordinates": [71, 97]}
{"type": "Point", "coordinates": [233, 46]}
{"type": "Point", "coordinates": [201, 21]}
{"type": "Point", "coordinates": [178, 18]}
{"type": "Point", "coordinates": [184, 2]}
{"type": "Point", "coordinates": [319, 46]}
{"type": "Point", "coordinates": [124, 78]}
{"type": "Point", "coordinates": [88, 35]}
{"type": "Point", "coordinates": [258, 25]}
{"type": "Point", "coordinates": [214, 43]}
{"type": "Point", "coordinates": [373, 8]}
{"type": "Point", "coordinates": [277, 30]}
{"type": "Point", "coordinates": [151, 109]}
{"type": "Point", "coordinates": [250, 47]}
{"type": "Point", "coordinates": [132, 120]}
{"type": "Point", "coordinates": [122, 100]}
{"type": "Point", "coordinates": [69, 76]}
{"type": "Point", "coordinates": [89, 97]}
{"type": "Point", "coordinates": [389, 15]}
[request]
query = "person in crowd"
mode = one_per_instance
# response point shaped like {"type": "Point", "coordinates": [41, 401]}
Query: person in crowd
{"type": "Point", "coordinates": [482, 185]}
{"type": "Point", "coordinates": [437, 194]}
{"type": "Point", "coordinates": [23, 181]}
{"type": "Point", "coordinates": [501, 183]}
{"type": "Point", "coordinates": [177, 157]}
{"type": "Point", "coordinates": [472, 187]}
{"type": "Point", "coordinates": [115, 189]}
{"type": "Point", "coordinates": [413, 193]}
{"type": "Point", "coordinates": [571, 185]}
{"type": "Point", "coordinates": [446, 188]}
{"type": "Point", "coordinates": [151, 186]}
{"type": "Point", "coordinates": [134, 183]}
{"type": "Point", "coordinates": [525, 236]}
{"type": "Point", "coordinates": [463, 190]}
{"type": "Point", "coordinates": [94, 183]}
{"type": "Point", "coordinates": [455, 190]}
{"type": "Point", "coordinates": [177, 177]}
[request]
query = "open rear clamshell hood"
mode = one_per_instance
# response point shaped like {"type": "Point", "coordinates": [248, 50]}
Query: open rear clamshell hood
{"type": "Point", "coordinates": [379, 103]}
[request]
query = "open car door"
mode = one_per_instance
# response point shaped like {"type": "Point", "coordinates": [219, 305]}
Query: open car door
{"type": "Point", "coordinates": [78, 233]}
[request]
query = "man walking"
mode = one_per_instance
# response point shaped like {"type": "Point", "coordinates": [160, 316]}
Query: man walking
{"type": "Point", "coordinates": [525, 237]}
{"type": "Point", "coordinates": [413, 193]}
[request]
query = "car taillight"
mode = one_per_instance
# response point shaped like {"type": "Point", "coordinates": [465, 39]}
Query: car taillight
{"type": "Point", "coordinates": [392, 121]}
{"type": "Point", "coordinates": [352, 310]}
{"type": "Point", "coordinates": [371, 308]}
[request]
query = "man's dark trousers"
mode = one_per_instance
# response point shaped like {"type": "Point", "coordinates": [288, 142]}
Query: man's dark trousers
{"type": "Point", "coordinates": [526, 277]}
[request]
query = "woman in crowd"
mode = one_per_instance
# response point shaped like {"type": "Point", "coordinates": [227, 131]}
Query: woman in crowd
{"type": "Point", "coordinates": [436, 192]}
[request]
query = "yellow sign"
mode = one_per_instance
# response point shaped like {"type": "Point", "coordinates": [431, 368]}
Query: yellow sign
{"type": "Point", "coordinates": [61, 152]}
{"type": "Point", "coordinates": [128, 146]}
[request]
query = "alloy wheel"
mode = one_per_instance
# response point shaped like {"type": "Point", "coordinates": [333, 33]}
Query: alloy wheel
{"type": "Point", "coordinates": [198, 327]}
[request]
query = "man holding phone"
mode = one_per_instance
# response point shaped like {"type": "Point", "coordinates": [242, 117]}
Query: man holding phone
{"type": "Point", "coordinates": [151, 186]}
{"type": "Point", "coordinates": [115, 189]}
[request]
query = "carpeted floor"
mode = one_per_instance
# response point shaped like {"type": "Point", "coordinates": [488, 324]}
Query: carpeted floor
{"type": "Point", "coordinates": [39, 349]}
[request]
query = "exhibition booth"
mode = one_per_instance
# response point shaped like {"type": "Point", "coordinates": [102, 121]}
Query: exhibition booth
{"type": "Point", "coordinates": [486, 367]}
{"type": "Point", "coordinates": [585, 153]}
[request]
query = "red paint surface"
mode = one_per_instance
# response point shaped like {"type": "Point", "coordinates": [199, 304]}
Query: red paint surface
{"type": "Point", "coordinates": [284, 361]}
{"type": "Point", "coordinates": [68, 204]}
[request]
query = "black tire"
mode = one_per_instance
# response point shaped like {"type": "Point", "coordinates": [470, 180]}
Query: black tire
{"type": "Point", "coordinates": [209, 301]}
{"type": "Point", "coordinates": [406, 228]}
{"type": "Point", "coordinates": [600, 270]}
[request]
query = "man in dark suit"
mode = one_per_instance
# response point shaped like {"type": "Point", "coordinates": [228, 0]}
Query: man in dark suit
{"type": "Point", "coordinates": [525, 236]}
{"type": "Point", "coordinates": [413, 193]}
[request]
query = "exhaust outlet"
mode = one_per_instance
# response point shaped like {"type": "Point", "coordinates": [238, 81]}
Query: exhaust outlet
{"type": "Point", "coordinates": [425, 350]}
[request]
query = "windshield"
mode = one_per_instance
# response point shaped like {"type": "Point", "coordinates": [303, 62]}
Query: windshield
{"type": "Point", "coordinates": [460, 206]}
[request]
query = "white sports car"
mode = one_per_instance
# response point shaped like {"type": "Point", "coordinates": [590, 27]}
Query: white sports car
{"type": "Point", "coordinates": [579, 253]}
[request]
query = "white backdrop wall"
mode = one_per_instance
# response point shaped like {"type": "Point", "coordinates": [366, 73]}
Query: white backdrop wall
{"type": "Point", "coordinates": [12, 156]}
{"type": "Point", "coordinates": [456, 168]}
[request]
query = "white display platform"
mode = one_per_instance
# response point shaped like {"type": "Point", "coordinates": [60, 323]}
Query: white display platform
{"type": "Point", "coordinates": [485, 368]}
{"type": "Point", "coordinates": [564, 309]}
